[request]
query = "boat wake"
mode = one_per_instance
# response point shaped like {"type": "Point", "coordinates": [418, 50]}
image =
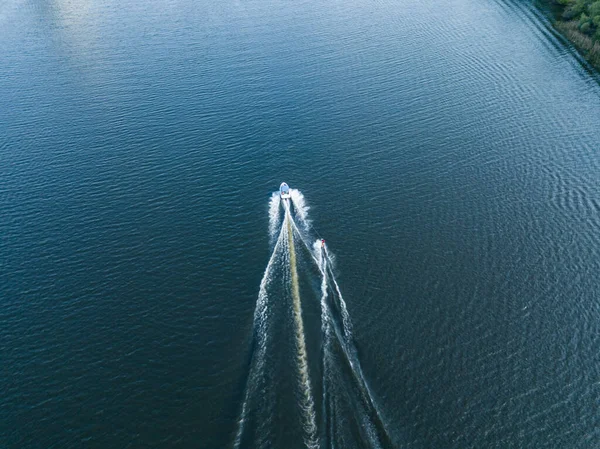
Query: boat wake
{"type": "Point", "coordinates": [282, 405]}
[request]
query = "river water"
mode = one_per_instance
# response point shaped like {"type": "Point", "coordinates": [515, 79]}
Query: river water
{"type": "Point", "coordinates": [449, 153]}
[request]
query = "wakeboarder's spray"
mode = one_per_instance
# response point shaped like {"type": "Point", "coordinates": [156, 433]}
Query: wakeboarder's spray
{"type": "Point", "coordinates": [319, 252]}
{"type": "Point", "coordinates": [370, 423]}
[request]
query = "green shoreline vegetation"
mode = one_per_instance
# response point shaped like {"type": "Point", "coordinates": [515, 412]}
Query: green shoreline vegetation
{"type": "Point", "coordinates": [579, 21]}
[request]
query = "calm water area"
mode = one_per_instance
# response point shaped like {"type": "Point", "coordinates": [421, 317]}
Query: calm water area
{"type": "Point", "coordinates": [449, 154]}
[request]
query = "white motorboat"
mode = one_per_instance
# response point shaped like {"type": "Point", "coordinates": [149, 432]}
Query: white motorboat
{"type": "Point", "coordinates": [284, 190]}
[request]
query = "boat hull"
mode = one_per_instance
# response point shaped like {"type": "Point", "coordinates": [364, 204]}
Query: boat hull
{"type": "Point", "coordinates": [284, 191]}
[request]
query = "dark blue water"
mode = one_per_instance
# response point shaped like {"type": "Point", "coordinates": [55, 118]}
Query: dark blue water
{"type": "Point", "coordinates": [450, 156]}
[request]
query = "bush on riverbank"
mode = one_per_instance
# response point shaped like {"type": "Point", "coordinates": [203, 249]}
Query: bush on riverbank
{"type": "Point", "coordinates": [580, 22]}
{"type": "Point", "coordinates": [587, 44]}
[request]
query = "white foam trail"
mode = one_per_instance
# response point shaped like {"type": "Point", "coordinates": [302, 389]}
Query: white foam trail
{"type": "Point", "coordinates": [322, 263]}
{"type": "Point", "coordinates": [345, 315]}
{"type": "Point", "coordinates": [301, 208]}
{"type": "Point", "coordinates": [308, 404]}
{"type": "Point", "coordinates": [350, 353]}
{"type": "Point", "coordinates": [325, 328]}
{"type": "Point", "coordinates": [261, 335]}
{"type": "Point", "coordinates": [274, 209]}
{"type": "Point", "coordinates": [315, 256]}
{"type": "Point", "coordinates": [318, 251]}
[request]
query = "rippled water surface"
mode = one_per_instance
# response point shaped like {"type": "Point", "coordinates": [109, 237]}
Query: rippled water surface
{"type": "Point", "coordinates": [449, 153]}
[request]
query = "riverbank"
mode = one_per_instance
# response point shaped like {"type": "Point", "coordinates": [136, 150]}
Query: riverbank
{"type": "Point", "coordinates": [579, 22]}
